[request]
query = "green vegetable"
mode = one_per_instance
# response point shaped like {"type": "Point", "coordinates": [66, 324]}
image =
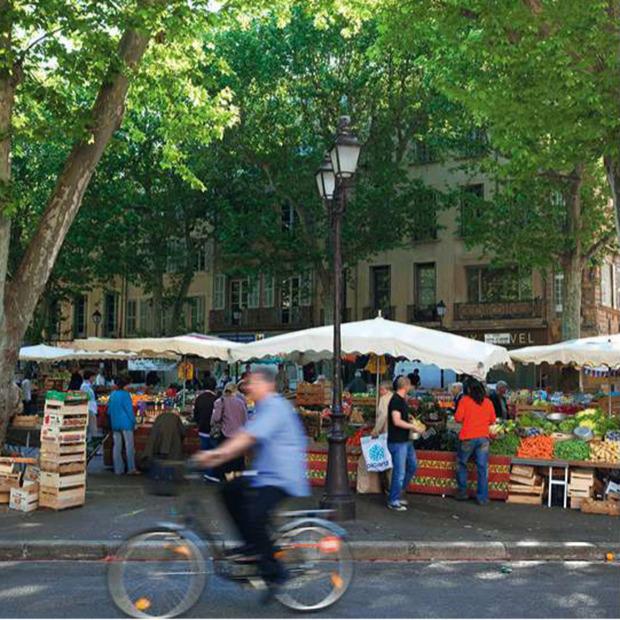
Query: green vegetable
{"type": "Point", "coordinates": [568, 425]}
{"type": "Point", "coordinates": [506, 445]}
{"type": "Point", "coordinates": [572, 450]}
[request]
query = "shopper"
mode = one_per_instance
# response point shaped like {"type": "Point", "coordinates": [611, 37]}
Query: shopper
{"type": "Point", "coordinates": [400, 445]}
{"type": "Point", "coordinates": [87, 388]}
{"type": "Point", "coordinates": [456, 389]}
{"type": "Point", "coordinates": [230, 414]}
{"type": "Point", "coordinates": [209, 382]}
{"type": "Point", "coordinates": [381, 419]}
{"type": "Point", "coordinates": [26, 388]}
{"type": "Point", "coordinates": [475, 412]}
{"type": "Point", "coordinates": [100, 378]}
{"type": "Point", "coordinates": [282, 383]}
{"type": "Point", "coordinates": [414, 378]}
{"type": "Point", "coordinates": [358, 385]}
{"type": "Point", "coordinates": [203, 411]}
{"type": "Point", "coordinates": [76, 380]}
{"type": "Point", "coordinates": [498, 398]}
{"type": "Point", "coordinates": [122, 423]}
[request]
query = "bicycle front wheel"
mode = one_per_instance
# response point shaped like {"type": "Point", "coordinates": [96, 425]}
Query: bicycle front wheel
{"type": "Point", "coordinates": [319, 564]}
{"type": "Point", "coordinates": [157, 574]}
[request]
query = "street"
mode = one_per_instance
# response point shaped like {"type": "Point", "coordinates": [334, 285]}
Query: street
{"type": "Point", "coordinates": [390, 590]}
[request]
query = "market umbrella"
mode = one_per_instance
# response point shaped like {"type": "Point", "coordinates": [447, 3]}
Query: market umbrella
{"type": "Point", "coordinates": [594, 351]}
{"type": "Point", "coordinates": [46, 353]}
{"type": "Point", "coordinates": [200, 345]}
{"type": "Point", "coordinates": [382, 337]}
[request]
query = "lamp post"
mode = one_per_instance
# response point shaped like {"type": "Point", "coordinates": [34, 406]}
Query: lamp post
{"type": "Point", "coordinates": [96, 317]}
{"type": "Point", "coordinates": [334, 179]}
{"type": "Point", "coordinates": [441, 313]}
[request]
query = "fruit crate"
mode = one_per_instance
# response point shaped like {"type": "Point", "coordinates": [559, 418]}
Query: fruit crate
{"type": "Point", "coordinates": [26, 421]}
{"type": "Point", "coordinates": [25, 499]}
{"type": "Point", "coordinates": [59, 499]}
{"type": "Point", "coordinates": [61, 481]}
{"type": "Point", "coordinates": [52, 450]}
{"type": "Point", "coordinates": [62, 437]}
{"type": "Point", "coordinates": [68, 467]}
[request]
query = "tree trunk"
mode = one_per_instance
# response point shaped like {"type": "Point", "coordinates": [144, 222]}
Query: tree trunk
{"type": "Point", "coordinates": [158, 307]}
{"type": "Point", "coordinates": [612, 166]}
{"type": "Point", "coordinates": [571, 307]}
{"type": "Point", "coordinates": [22, 293]}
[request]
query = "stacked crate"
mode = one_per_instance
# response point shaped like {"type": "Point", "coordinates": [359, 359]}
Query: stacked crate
{"type": "Point", "coordinates": [525, 486]}
{"type": "Point", "coordinates": [9, 479]}
{"type": "Point", "coordinates": [62, 478]}
{"type": "Point", "coordinates": [582, 486]}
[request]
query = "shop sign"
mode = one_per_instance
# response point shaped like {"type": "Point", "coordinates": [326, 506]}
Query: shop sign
{"type": "Point", "coordinates": [499, 339]}
{"type": "Point", "coordinates": [511, 339]}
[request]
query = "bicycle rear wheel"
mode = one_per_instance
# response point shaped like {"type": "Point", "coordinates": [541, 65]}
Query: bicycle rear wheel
{"type": "Point", "coordinates": [320, 568]}
{"type": "Point", "coordinates": [157, 574]}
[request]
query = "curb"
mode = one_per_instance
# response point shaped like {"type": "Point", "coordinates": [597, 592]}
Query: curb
{"type": "Point", "coordinates": [392, 551]}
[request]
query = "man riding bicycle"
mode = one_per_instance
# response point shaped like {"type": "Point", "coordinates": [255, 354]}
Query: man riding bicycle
{"type": "Point", "coordinates": [276, 436]}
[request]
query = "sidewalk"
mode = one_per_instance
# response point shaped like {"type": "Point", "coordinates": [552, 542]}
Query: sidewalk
{"type": "Point", "coordinates": [432, 528]}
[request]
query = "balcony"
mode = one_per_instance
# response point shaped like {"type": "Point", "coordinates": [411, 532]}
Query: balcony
{"type": "Point", "coordinates": [527, 309]}
{"type": "Point", "coordinates": [262, 319]}
{"type": "Point", "coordinates": [389, 312]}
{"type": "Point", "coordinates": [422, 314]}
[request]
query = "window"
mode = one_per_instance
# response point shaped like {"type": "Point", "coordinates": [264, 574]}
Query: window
{"type": "Point", "coordinates": [110, 318]}
{"type": "Point", "coordinates": [238, 298]}
{"type": "Point", "coordinates": [146, 316]}
{"type": "Point", "coordinates": [254, 292]}
{"type": "Point", "coordinates": [288, 216]}
{"type": "Point", "coordinates": [488, 284]}
{"type": "Point", "coordinates": [306, 289]}
{"type": "Point", "coordinates": [472, 197]}
{"type": "Point", "coordinates": [607, 285]}
{"type": "Point", "coordinates": [380, 290]}
{"type": "Point", "coordinates": [558, 292]}
{"type": "Point", "coordinates": [79, 316]}
{"type": "Point", "coordinates": [475, 143]}
{"type": "Point", "coordinates": [219, 291]}
{"type": "Point", "coordinates": [423, 153]}
{"type": "Point", "coordinates": [131, 318]}
{"type": "Point", "coordinates": [425, 286]}
{"type": "Point", "coordinates": [196, 313]}
{"type": "Point", "coordinates": [174, 260]}
{"type": "Point", "coordinates": [425, 218]}
{"type": "Point", "coordinates": [200, 263]}
{"type": "Point", "coordinates": [290, 298]}
{"type": "Point", "coordinates": [54, 320]}
{"type": "Point", "coordinates": [268, 299]}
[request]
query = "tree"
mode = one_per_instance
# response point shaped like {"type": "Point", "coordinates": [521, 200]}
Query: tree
{"type": "Point", "coordinates": [541, 76]}
{"type": "Point", "coordinates": [290, 84]}
{"type": "Point", "coordinates": [65, 72]}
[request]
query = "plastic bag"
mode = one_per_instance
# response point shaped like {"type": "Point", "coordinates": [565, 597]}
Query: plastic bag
{"type": "Point", "coordinates": [376, 453]}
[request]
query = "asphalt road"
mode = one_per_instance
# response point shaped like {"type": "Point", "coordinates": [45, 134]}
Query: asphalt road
{"type": "Point", "coordinates": [386, 590]}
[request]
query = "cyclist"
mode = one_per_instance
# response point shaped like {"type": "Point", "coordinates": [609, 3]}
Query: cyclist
{"type": "Point", "coordinates": [276, 436]}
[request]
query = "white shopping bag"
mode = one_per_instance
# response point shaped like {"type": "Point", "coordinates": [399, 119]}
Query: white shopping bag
{"type": "Point", "coordinates": [376, 453]}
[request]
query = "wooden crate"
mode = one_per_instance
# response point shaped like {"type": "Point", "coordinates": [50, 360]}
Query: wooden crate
{"type": "Point", "coordinates": [519, 498]}
{"type": "Point", "coordinates": [5, 497]}
{"type": "Point", "coordinates": [52, 449]}
{"type": "Point", "coordinates": [9, 481]}
{"type": "Point", "coordinates": [62, 421]}
{"type": "Point", "coordinates": [57, 499]}
{"type": "Point", "coordinates": [25, 421]}
{"type": "Point", "coordinates": [69, 467]}
{"type": "Point", "coordinates": [53, 405]}
{"type": "Point", "coordinates": [25, 499]}
{"type": "Point", "coordinates": [62, 437]}
{"type": "Point", "coordinates": [55, 480]}
{"type": "Point", "coordinates": [606, 507]}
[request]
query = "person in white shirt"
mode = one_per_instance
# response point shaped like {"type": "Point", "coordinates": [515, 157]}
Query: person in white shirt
{"type": "Point", "coordinates": [100, 380]}
{"type": "Point", "coordinates": [92, 403]}
{"type": "Point", "coordinates": [26, 387]}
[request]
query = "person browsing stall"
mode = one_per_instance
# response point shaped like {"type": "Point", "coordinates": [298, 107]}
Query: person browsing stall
{"type": "Point", "coordinates": [122, 423]}
{"type": "Point", "coordinates": [476, 413]}
{"type": "Point", "coordinates": [400, 445]}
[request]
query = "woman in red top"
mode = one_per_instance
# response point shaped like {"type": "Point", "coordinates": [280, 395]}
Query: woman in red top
{"type": "Point", "coordinates": [476, 413]}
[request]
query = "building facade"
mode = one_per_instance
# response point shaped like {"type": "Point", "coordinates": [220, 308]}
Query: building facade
{"type": "Point", "coordinates": [504, 306]}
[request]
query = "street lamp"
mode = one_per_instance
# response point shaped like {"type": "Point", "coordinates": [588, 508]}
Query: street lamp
{"type": "Point", "coordinates": [96, 317]}
{"type": "Point", "coordinates": [334, 178]}
{"type": "Point", "coordinates": [441, 313]}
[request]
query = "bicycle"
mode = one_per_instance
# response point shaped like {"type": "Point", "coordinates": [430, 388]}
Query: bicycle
{"type": "Point", "coordinates": [162, 572]}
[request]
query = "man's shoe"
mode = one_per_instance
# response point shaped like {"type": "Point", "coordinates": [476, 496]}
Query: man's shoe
{"type": "Point", "coordinates": [461, 497]}
{"type": "Point", "coordinates": [404, 502]}
{"type": "Point", "coordinates": [397, 507]}
{"type": "Point", "coordinates": [482, 502]}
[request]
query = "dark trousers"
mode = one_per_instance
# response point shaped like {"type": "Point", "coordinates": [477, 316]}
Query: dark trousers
{"type": "Point", "coordinates": [237, 464]}
{"type": "Point", "coordinates": [250, 508]}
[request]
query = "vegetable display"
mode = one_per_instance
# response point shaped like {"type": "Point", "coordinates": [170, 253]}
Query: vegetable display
{"type": "Point", "coordinates": [540, 447]}
{"type": "Point", "coordinates": [572, 450]}
{"type": "Point", "coordinates": [507, 445]}
{"type": "Point", "coordinates": [605, 451]}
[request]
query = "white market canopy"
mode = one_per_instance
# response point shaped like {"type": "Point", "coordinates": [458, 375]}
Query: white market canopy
{"type": "Point", "coordinates": [382, 337]}
{"type": "Point", "coordinates": [45, 353]}
{"type": "Point", "coordinates": [594, 351]}
{"type": "Point", "coordinates": [200, 345]}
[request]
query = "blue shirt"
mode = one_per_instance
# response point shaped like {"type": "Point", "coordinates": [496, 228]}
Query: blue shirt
{"type": "Point", "coordinates": [120, 410]}
{"type": "Point", "coordinates": [280, 453]}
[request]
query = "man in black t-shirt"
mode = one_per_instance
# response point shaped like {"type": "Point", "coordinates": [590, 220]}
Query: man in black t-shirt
{"type": "Point", "coordinates": [404, 461]}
